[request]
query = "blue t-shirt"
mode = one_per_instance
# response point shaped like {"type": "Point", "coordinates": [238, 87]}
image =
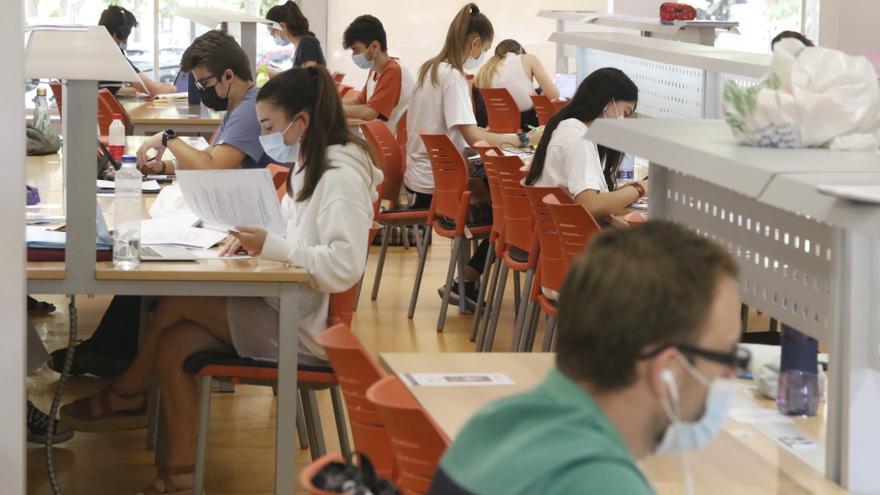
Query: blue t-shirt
{"type": "Point", "coordinates": [241, 130]}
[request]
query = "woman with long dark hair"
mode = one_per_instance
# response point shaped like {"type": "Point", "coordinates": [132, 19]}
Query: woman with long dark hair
{"type": "Point", "coordinates": [567, 158]}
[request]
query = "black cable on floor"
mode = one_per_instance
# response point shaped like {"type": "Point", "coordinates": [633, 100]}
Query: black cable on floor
{"type": "Point", "coordinates": [56, 399]}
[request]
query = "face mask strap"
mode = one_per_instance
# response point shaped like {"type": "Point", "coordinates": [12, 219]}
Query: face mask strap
{"type": "Point", "coordinates": [693, 371]}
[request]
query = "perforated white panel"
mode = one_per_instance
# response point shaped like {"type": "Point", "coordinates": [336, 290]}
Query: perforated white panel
{"type": "Point", "coordinates": [665, 91]}
{"type": "Point", "coordinates": [784, 258]}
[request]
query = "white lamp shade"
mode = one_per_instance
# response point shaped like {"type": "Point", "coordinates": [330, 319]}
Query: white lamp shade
{"type": "Point", "coordinates": [213, 17]}
{"type": "Point", "coordinates": [75, 53]}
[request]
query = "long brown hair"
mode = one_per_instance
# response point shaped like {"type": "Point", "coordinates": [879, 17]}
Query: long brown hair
{"type": "Point", "coordinates": [312, 90]}
{"type": "Point", "coordinates": [468, 24]}
{"type": "Point", "coordinates": [490, 68]}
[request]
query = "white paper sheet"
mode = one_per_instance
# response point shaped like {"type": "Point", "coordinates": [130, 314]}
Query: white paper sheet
{"type": "Point", "coordinates": [178, 231]}
{"type": "Point", "coordinates": [854, 192]}
{"type": "Point", "coordinates": [231, 198]}
{"type": "Point", "coordinates": [455, 379]}
{"type": "Point", "coordinates": [148, 186]}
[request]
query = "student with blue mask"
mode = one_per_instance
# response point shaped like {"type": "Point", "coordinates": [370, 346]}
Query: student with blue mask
{"type": "Point", "coordinates": [646, 373]}
{"type": "Point", "coordinates": [289, 25]}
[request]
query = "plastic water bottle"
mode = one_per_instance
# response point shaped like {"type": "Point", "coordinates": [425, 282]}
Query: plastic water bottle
{"type": "Point", "coordinates": [798, 374]}
{"type": "Point", "coordinates": [117, 137]}
{"type": "Point", "coordinates": [127, 215]}
{"type": "Point", "coordinates": [626, 172]}
{"type": "Point", "coordinates": [41, 112]}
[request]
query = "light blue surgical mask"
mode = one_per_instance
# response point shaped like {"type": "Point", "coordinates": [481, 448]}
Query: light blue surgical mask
{"type": "Point", "coordinates": [360, 59]}
{"type": "Point", "coordinates": [472, 63]}
{"type": "Point", "coordinates": [274, 146]}
{"type": "Point", "coordinates": [683, 435]}
{"type": "Point", "coordinates": [280, 40]}
{"type": "Point", "coordinates": [123, 46]}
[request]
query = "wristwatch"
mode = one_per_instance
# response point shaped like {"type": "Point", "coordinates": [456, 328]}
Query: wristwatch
{"type": "Point", "coordinates": [168, 135]}
{"type": "Point", "coordinates": [523, 138]}
{"type": "Point", "coordinates": [638, 187]}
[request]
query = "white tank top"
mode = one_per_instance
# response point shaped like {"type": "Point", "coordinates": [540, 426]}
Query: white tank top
{"type": "Point", "coordinates": [512, 76]}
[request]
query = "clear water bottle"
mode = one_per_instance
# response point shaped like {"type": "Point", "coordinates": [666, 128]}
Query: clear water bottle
{"type": "Point", "coordinates": [41, 112]}
{"type": "Point", "coordinates": [117, 137]}
{"type": "Point", "coordinates": [798, 393]}
{"type": "Point", "coordinates": [127, 215]}
{"type": "Point", "coordinates": [626, 172]}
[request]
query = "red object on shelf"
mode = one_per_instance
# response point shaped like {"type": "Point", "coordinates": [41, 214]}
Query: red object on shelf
{"type": "Point", "coordinates": [670, 11]}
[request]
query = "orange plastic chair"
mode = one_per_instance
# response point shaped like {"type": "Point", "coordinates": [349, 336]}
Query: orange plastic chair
{"type": "Point", "coordinates": [279, 178]}
{"type": "Point", "coordinates": [356, 371]}
{"type": "Point", "coordinates": [390, 156]}
{"type": "Point", "coordinates": [575, 226]}
{"type": "Point", "coordinates": [448, 215]}
{"type": "Point", "coordinates": [504, 117]}
{"type": "Point", "coordinates": [551, 261]}
{"type": "Point", "coordinates": [546, 108]}
{"type": "Point", "coordinates": [402, 136]}
{"type": "Point", "coordinates": [338, 77]}
{"type": "Point", "coordinates": [57, 91]}
{"type": "Point", "coordinates": [521, 253]}
{"type": "Point", "coordinates": [111, 104]}
{"type": "Point", "coordinates": [416, 440]}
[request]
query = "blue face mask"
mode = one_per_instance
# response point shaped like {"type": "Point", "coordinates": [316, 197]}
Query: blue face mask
{"type": "Point", "coordinates": [360, 59]}
{"type": "Point", "coordinates": [280, 40]}
{"type": "Point", "coordinates": [123, 46]}
{"type": "Point", "coordinates": [274, 146]}
{"type": "Point", "coordinates": [682, 435]}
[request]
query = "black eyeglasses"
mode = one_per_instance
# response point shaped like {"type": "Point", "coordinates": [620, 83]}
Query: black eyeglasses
{"type": "Point", "coordinates": [738, 359]}
{"type": "Point", "coordinates": [200, 84]}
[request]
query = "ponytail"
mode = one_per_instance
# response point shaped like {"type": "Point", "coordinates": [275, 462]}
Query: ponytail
{"type": "Point", "coordinates": [467, 24]}
{"type": "Point", "coordinates": [490, 68]}
{"type": "Point", "coordinates": [290, 14]}
{"type": "Point", "coordinates": [312, 90]}
{"type": "Point", "coordinates": [596, 91]}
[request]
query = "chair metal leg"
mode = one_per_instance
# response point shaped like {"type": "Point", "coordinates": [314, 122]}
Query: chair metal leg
{"type": "Point", "coordinates": [496, 309]}
{"type": "Point", "coordinates": [516, 292]}
{"type": "Point", "coordinates": [447, 289]}
{"type": "Point", "coordinates": [313, 423]}
{"type": "Point", "coordinates": [531, 331]}
{"type": "Point", "coordinates": [380, 264]}
{"type": "Point", "coordinates": [490, 300]}
{"type": "Point", "coordinates": [551, 328]}
{"type": "Point", "coordinates": [202, 435]}
{"type": "Point", "coordinates": [463, 253]}
{"type": "Point", "coordinates": [339, 415]}
{"type": "Point", "coordinates": [484, 282]}
{"type": "Point", "coordinates": [404, 232]}
{"type": "Point", "coordinates": [302, 430]}
{"type": "Point", "coordinates": [517, 343]}
{"type": "Point", "coordinates": [422, 246]}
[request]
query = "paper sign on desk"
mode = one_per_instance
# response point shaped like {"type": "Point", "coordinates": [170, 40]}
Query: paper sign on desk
{"type": "Point", "coordinates": [854, 192]}
{"type": "Point", "coordinates": [455, 379]}
{"type": "Point", "coordinates": [230, 198]}
{"type": "Point", "coordinates": [758, 415]}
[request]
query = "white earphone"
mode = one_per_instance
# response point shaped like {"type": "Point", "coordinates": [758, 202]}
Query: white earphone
{"type": "Point", "coordinates": [669, 379]}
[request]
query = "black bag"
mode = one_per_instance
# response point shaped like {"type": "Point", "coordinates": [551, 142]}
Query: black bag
{"type": "Point", "coordinates": [353, 479]}
{"type": "Point", "coordinates": [395, 236]}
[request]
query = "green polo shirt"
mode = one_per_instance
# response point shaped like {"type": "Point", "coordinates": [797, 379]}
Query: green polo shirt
{"type": "Point", "coordinates": [552, 440]}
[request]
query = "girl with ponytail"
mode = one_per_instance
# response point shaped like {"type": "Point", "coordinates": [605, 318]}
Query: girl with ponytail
{"type": "Point", "coordinates": [567, 158]}
{"type": "Point", "coordinates": [328, 208]}
{"type": "Point", "coordinates": [289, 25]}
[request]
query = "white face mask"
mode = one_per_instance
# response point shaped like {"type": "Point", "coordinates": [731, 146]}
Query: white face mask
{"type": "Point", "coordinates": [681, 435]}
{"type": "Point", "coordinates": [280, 40]}
{"type": "Point", "coordinates": [619, 115]}
{"type": "Point", "coordinates": [360, 59]}
{"type": "Point", "coordinates": [274, 146]}
{"type": "Point", "coordinates": [472, 63]}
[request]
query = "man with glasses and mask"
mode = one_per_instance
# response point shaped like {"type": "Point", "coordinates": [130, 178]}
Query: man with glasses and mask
{"type": "Point", "coordinates": [223, 77]}
{"type": "Point", "coordinates": [647, 338]}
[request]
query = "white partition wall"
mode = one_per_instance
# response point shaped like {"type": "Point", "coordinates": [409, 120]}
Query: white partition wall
{"type": "Point", "coordinates": [12, 293]}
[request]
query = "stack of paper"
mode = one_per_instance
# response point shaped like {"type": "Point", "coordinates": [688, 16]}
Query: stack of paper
{"type": "Point", "coordinates": [178, 231]}
{"type": "Point", "coordinates": [43, 238]}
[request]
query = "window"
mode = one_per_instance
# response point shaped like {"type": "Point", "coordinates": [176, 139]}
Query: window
{"type": "Point", "coordinates": [761, 20]}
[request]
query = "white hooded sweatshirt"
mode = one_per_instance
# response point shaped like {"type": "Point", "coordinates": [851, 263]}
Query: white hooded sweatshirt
{"type": "Point", "coordinates": [327, 235]}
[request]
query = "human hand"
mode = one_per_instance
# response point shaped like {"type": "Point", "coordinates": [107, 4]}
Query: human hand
{"type": "Point", "coordinates": [149, 165]}
{"type": "Point", "coordinates": [230, 246]}
{"type": "Point", "coordinates": [251, 239]}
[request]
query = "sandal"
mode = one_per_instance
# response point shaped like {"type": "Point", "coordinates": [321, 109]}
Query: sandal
{"type": "Point", "coordinates": [79, 416]}
{"type": "Point", "coordinates": [168, 485]}
{"type": "Point", "coordinates": [39, 308]}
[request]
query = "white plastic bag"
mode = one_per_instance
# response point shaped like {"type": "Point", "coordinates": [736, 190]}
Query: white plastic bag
{"type": "Point", "coordinates": [812, 97]}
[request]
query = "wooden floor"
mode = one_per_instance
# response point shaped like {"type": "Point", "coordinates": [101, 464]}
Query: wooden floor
{"type": "Point", "coordinates": [241, 440]}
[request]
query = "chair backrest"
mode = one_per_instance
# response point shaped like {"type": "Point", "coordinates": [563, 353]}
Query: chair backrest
{"type": "Point", "coordinates": [496, 198]}
{"type": "Point", "coordinates": [417, 442]}
{"type": "Point", "coordinates": [450, 176]}
{"type": "Point", "coordinates": [519, 221]}
{"type": "Point", "coordinates": [544, 108]}
{"type": "Point", "coordinates": [390, 157]}
{"type": "Point", "coordinates": [356, 372]}
{"type": "Point", "coordinates": [57, 91]}
{"type": "Point", "coordinates": [342, 306]}
{"type": "Point", "coordinates": [110, 103]}
{"type": "Point", "coordinates": [575, 226]}
{"type": "Point", "coordinates": [279, 178]}
{"type": "Point", "coordinates": [343, 89]}
{"type": "Point", "coordinates": [501, 109]}
{"type": "Point", "coordinates": [338, 77]}
{"type": "Point", "coordinates": [552, 259]}
{"type": "Point", "coordinates": [401, 135]}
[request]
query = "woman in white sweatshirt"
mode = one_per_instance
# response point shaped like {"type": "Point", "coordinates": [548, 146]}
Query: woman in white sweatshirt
{"type": "Point", "coordinates": [328, 210]}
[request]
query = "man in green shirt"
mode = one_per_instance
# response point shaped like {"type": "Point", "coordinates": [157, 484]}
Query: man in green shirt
{"type": "Point", "coordinates": [647, 347]}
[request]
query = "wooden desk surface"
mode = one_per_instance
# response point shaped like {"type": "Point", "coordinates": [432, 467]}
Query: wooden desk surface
{"type": "Point", "coordinates": [169, 112]}
{"type": "Point", "coordinates": [740, 459]}
{"type": "Point", "coordinates": [249, 270]}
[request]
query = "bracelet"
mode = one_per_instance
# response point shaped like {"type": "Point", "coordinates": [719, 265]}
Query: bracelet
{"type": "Point", "coordinates": [638, 187]}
